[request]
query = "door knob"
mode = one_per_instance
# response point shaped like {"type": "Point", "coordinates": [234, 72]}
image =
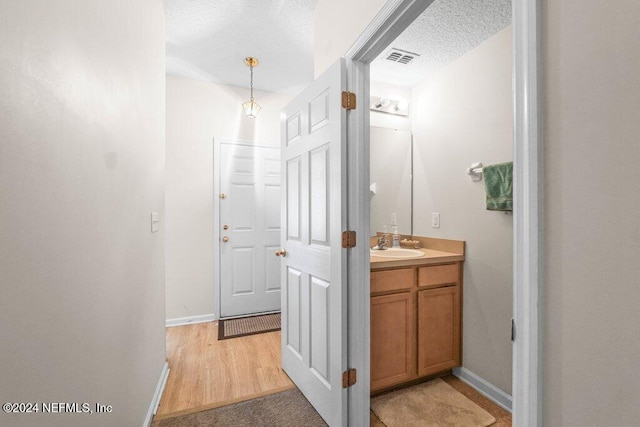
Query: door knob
{"type": "Point", "coordinates": [281, 252]}
{"type": "Point", "coordinates": [225, 239]}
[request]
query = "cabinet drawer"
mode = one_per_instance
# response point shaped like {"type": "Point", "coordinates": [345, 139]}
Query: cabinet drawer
{"type": "Point", "coordinates": [438, 275]}
{"type": "Point", "coordinates": [392, 280]}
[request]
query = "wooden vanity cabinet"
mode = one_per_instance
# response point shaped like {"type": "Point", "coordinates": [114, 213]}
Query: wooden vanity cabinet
{"type": "Point", "coordinates": [415, 323]}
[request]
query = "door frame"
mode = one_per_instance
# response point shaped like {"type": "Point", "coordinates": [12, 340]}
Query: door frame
{"type": "Point", "coordinates": [217, 234]}
{"type": "Point", "coordinates": [394, 17]}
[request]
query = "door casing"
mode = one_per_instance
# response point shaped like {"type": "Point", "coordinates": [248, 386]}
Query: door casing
{"type": "Point", "coordinates": [394, 17]}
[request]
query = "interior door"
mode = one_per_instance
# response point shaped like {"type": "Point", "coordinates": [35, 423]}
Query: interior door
{"type": "Point", "coordinates": [249, 228]}
{"type": "Point", "coordinates": [314, 322]}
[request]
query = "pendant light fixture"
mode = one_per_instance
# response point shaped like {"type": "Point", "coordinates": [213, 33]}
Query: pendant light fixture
{"type": "Point", "coordinates": [251, 108]}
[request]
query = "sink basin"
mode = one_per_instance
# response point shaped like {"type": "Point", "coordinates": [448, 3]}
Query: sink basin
{"type": "Point", "coordinates": [397, 253]}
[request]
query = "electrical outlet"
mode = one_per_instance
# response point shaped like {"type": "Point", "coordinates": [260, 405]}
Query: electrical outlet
{"type": "Point", "coordinates": [435, 220]}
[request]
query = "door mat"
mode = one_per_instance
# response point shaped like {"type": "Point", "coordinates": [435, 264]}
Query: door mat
{"type": "Point", "coordinates": [242, 326]}
{"type": "Point", "coordinates": [434, 403]}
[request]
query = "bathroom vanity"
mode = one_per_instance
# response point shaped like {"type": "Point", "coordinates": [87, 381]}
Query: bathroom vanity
{"type": "Point", "coordinates": [416, 311]}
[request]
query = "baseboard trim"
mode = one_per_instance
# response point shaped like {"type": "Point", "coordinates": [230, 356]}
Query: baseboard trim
{"type": "Point", "coordinates": [483, 386]}
{"type": "Point", "coordinates": [153, 406]}
{"type": "Point", "coordinates": [181, 321]}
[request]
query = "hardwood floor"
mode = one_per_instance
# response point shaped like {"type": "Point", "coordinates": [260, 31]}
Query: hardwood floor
{"type": "Point", "coordinates": [205, 371]}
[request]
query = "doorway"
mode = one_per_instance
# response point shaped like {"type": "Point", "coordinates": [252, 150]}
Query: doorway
{"type": "Point", "coordinates": [392, 19]}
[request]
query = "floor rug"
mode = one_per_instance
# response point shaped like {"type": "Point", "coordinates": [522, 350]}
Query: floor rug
{"type": "Point", "coordinates": [285, 409]}
{"type": "Point", "coordinates": [242, 326]}
{"type": "Point", "coordinates": [434, 403]}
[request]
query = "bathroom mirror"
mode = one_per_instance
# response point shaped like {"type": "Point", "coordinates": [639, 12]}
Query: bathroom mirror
{"type": "Point", "coordinates": [391, 179]}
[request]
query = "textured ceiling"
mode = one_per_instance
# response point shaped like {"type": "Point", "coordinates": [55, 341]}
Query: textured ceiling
{"type": "Point", "coordinates": [209, 39]}
{"type": "Point", "coordinates": [446, 30]}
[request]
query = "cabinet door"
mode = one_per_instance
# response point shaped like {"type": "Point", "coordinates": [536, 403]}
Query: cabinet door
{"type": "Point", "coordinates": [438, 329]}
{"type": "Point", "coordinates": [393, 340]}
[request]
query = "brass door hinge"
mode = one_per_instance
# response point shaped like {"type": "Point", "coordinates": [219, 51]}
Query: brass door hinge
{"type": "Point", "coordinates": [348, 239]}
{"type": "Point", "coordinates": [349, 378]}
{"type": "Point", "coordinates": [348, 100]}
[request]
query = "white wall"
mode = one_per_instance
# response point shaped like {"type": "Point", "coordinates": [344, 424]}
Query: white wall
{"type": "Point", "coordinates": [81, 169]}
{"type": "Point", "coordinates": [463, 114]}
{"type": "Point", "coordinates": [591, 294]}
{"type": "Point", "coordinates": [338, 24]}
{"type": "Point", "coordinates": [196, 113]}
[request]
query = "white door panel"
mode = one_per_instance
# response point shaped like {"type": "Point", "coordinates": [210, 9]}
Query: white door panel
{"type": "Point", "coordinates": [314, 270]}
{"type": "Point", "coordinates": [249, 274]}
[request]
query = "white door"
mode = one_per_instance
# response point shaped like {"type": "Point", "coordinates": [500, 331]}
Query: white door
{"type": "Point", "coordinates": [249, 224]}
{"type": "Point", "coordinates": [314, 322]}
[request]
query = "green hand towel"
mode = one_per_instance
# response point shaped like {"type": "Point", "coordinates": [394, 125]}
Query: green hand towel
{"type": "Point", "coordinates": [498, 183]}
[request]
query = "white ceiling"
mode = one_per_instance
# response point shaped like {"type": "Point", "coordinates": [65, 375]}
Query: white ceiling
{"type": "Point", "coordinates": [209, 39]}
{"type": "Point", "coordinates": [446, 30]}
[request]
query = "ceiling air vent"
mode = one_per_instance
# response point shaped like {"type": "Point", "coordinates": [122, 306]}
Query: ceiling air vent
{"type": "Point", "coordinates": [401, 56]}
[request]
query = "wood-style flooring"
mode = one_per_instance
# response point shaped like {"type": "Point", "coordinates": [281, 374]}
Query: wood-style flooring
{"type": "Point", "coordinates": [206, 372]}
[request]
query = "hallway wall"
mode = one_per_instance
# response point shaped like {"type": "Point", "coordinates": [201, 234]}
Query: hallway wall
{"type": "Point", "coordinates": [196, 113]}
{"type": "Point", "coordinates": [591, 339]}
{"type": "Point", "coordinates": [81, 169]}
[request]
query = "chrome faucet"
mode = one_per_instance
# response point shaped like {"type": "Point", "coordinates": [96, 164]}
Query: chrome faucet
{"type": "Point", "coordinates": [382, 243]}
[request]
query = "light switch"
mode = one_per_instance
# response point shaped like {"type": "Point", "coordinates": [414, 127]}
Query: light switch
{"type": "Point", "coordinates": [435, 220]}
{"type": "Point", "coordinates": [155, 222]}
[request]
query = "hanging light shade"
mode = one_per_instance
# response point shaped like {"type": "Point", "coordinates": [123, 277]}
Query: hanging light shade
{"type": "Point", "coordinates": [251, 108]}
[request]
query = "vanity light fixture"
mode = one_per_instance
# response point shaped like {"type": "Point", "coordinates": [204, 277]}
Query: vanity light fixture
{"type": "Point", "coordinates": [382, 102]}
{"type": "Point", "coordinates": [251, 108]}
{"type": "Point", "coordinates": [389, 106]}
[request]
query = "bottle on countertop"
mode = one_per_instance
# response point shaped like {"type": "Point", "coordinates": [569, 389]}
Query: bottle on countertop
{"type": "Point", "coordinates": [396, 237]}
